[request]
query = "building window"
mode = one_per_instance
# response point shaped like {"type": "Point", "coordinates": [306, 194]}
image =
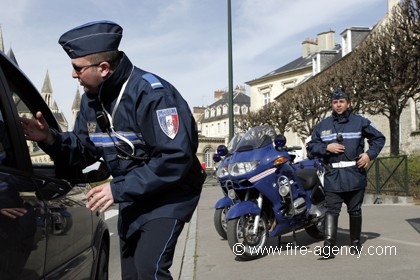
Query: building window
{"type": "Point", "coordinates": [244, 109]}
{"type": "Point", "coordinates": [236, 109]}
{"type": "Point", "coordinates": [218, 128]}
{"type": "Point", "coordinates": [225, 109]}
{"type": "Point", "coordinates": [219, 111]}
{"type": "Point", "coordinates": [206, 114]}
{"type": "Point", "coordinates": [213, 111]}
{"type": "Point", "coordinates": [208, 158]}
{"type": "Point", "coordinates": [266, 98]}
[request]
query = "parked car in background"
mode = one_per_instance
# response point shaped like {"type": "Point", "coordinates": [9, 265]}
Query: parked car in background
{"type": "Point", "coordinates": [46, 232]}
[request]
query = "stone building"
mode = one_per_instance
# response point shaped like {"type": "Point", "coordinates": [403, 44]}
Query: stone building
{"type": "Point", "coordinates": [213, 122]}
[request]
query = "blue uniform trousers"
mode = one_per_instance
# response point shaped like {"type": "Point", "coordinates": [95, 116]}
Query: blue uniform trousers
{"type": "Point", "coordinates": [352, 199]}
{"type": "Point", "coordinates": [148, 253]}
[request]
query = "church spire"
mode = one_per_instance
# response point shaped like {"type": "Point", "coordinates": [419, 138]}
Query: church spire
{"type": "Point", "coordinates": [75, 108]}
{"type": "Point", "coordinates": [1, 40]}
{"type": "Point", "coordinates": [46, 91]}
{"type": "Point", "coordinates": [12, 56]}
{"type": "Point", "coordinates": [76, 101]}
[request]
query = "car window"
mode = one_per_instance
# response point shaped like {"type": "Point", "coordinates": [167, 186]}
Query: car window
{"type": "Point", "coordinates": [6, 155]}
{"type": "Point", "coordinates": [38, 156]}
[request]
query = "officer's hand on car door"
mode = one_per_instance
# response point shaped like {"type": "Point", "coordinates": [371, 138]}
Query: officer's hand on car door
{"type": "Point", "coordinates": [100, 197]}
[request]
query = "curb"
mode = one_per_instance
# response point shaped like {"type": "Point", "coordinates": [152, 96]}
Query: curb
{"type": "Point", "coordinates": [387, 199]}
{"type": "Point", "coordinates": [183, 266]}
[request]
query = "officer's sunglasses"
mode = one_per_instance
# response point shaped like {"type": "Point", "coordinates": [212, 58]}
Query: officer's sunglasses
{"type": "Point", "coordinates": [80, 69]}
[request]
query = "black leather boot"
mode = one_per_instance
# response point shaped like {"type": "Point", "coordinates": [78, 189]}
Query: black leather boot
{"type": "Point", "coordinates": [331, 221]}
{"type": "Point", "coordinates": [355, 232]}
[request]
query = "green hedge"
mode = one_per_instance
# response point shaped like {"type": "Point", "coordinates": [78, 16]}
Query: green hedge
{"type": "Point", "coordinates": [414, 176]}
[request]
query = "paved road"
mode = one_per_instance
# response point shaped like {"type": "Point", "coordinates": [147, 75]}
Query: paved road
{"type": "Point", "coordinates": [391, 236]}
{"type": "Point", "coordinates": [392, 233]}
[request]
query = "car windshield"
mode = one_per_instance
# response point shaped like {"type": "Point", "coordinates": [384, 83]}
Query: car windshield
{"type": "Point", "coordinates": [256, 137]}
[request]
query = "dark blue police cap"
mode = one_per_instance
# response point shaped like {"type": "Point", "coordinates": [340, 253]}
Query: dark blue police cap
{"type": "Point", "coordinates": [92, 37]}
{"type": "Point", "coordinates": [339, 94]}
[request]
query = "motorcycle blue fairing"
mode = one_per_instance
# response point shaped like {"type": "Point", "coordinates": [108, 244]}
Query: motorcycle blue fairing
{"type": "Point", "coordinates": [243, 208]}
{"type": "Point", "coordinates": [223, 202]}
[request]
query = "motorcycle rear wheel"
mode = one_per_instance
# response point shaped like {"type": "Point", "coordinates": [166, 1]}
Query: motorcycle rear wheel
{"type": "Point", "coordinates": [220, 222]}
{"type": "Point", "coordinates": [243, 243]}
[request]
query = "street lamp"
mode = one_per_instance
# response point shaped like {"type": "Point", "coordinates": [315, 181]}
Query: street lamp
{"type": "Point", "coordinates": [230, 73]}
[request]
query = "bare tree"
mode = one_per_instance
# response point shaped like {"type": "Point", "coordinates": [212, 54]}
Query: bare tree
{"type": "Point", "coordinates": [310, 103]}
{"type": "Point", "coordinates": [274, 114]}
{"type": "Point", "coordinates": [245, 122]}
{"type": "Point", "coordinates": [388, 67]}
{"type": "Point", "coordinates": [280, 115]}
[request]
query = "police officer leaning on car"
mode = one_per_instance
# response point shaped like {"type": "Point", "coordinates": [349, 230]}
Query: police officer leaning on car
{"type": "Point", "coordinates": [340, 141]}
{"type": "Point", "coordinates": [144, 130]}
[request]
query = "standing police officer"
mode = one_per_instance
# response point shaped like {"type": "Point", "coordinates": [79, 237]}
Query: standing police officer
{"type": "Point", "coordinates": [144, 130]}
{"type": "Point", "coordinates": [340, 141]}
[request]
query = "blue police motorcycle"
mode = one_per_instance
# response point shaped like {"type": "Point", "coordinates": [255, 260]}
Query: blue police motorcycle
{"type": "Point", "coordinates": [271, 195]}
{"type": "Point", "coordinates": [223, 205]}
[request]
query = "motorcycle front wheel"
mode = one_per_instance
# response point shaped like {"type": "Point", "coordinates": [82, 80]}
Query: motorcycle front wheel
{"type": "Point", "coordinates": [242, 240]}
{"type": "Point", "coordinates": [220, 222]}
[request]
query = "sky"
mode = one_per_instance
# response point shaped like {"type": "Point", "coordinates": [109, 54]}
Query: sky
{"type": "Point", "coordinates": [183, 41]}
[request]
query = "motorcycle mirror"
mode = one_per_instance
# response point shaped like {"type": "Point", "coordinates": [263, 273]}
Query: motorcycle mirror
{"type": "Point", "coordinates": [280, 141]}
{"type": "Point", "coordinates": [216, 158]}
{"type": "Point", "coordinates": [222, 150]}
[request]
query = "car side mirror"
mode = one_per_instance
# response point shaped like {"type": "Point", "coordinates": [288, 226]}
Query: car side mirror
{"type": "Point", "coordinates": [94, 173]}
{"type": "Point", "coordinates": [53, 189]}
{"type": "Point", "coordinates": [98, 174]}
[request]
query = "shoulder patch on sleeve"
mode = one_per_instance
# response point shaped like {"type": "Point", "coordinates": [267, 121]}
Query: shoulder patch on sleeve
{"type": "Point", "coordinates": [168, 121]}
{"type": "Point", "coordinates": [152, 80]}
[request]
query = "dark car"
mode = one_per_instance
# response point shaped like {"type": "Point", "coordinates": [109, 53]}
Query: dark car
{"type": "Point", "coordinates": [55, 236]}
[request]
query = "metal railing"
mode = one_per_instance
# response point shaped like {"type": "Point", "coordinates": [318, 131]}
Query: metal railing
{"type": "Point", "coordinates": [388, 175]}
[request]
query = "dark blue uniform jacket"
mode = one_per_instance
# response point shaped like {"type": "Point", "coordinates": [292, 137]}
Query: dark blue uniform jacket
{"type": "Point", "coordinates": [166, 185]}
{"type": "Point", "coordinates": [354, 130]}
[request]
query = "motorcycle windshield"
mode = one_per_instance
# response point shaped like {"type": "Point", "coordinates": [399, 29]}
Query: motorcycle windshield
{"type": "Point", "coordinates": [256, 138]}
{"type": "Point", "coordinates": [233, 143]}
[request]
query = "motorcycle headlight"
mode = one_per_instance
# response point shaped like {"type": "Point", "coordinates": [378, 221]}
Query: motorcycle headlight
{"type": "Point", "coordinates": [240, 168]}
{"type": "Point", "coordinates": [222, 171]}
{"type": "Point", "coordinates": [284, 185]}
{"type": "Point", "coordinates": [232, 194]}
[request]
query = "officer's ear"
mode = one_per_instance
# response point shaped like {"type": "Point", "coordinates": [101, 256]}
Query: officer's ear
{"type": "Point", "coordinates": [105, 68]}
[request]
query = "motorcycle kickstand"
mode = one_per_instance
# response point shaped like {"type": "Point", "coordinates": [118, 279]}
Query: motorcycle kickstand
{"type": "Point", "coordinates": [294, 239]}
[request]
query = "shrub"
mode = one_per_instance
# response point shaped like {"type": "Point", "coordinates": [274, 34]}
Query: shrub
{"type": "Point", "coordinates": [414, 176]}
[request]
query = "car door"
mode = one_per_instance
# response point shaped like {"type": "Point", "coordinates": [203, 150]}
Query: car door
{"type": "Point", "coordinates": [63, 224]}
{"type": "Point", "coordinates": [22, 236]}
